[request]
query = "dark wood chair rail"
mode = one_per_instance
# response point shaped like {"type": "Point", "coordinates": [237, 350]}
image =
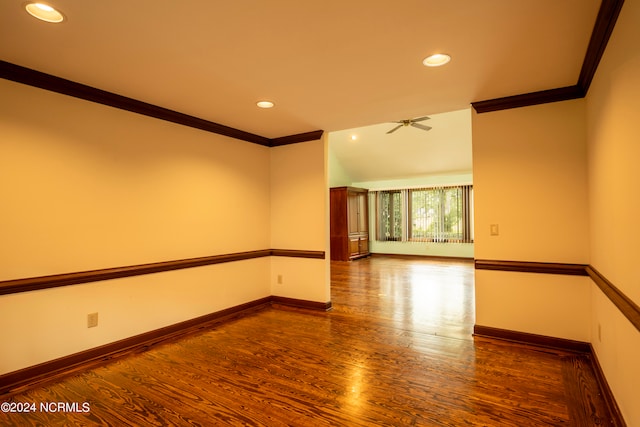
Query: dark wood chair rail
{"type": "Point", "coordinates": [625, 304]}
{"type": "Point", "coordinates": [66, 279]}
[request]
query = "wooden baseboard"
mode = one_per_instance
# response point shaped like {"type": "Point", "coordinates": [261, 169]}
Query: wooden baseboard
{"type": "Point", "coordinates": [298, 303]}
{"type": "Point", "coordinates": [607, 394]}
{"type": "Point", "coordinates": [534, 339]}
{"type": "Point", "coordinates": [18, 381]}
{"type": "Point", "coordinates": [423, 257]}
{"type": "Point", "coordinates": [583, 348]}
{"type": "Point", "coordinates": [626, 305]}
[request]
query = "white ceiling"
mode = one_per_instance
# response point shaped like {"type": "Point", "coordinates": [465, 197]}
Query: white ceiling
{"type": "Point", "coordinates": [408, 152]}
{"type": "Point", "coordinates": [328, 65]}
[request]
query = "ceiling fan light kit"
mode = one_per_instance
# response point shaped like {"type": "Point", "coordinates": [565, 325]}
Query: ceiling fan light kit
{"type": "Point", "coordinates": [411, 122]}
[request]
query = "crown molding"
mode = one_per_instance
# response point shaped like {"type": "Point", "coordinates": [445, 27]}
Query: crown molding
{"type": "Point", "coordinates": [56, 84]}
{"type": "Point", "coordinates": [602, 29]}
{"type": "Point", "coordinates": [527, 99]}
{"type": "Point", "coordinates": [605, 22]}
{"type": "Point", "coordinates": [294, 139]}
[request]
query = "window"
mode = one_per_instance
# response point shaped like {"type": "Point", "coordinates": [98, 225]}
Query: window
{"type": "Point", "coordinates": [439, 214]}
{"type": "Point", "coordinates": [389, 215]}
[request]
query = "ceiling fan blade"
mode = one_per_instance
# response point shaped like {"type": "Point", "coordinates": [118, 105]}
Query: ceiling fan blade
{"type": "Point", "coordinates": [420, 119]}
{"type": "Point", "coordinates": [394, 129]}
{"type": "Point", "coordinates": [419, 126]}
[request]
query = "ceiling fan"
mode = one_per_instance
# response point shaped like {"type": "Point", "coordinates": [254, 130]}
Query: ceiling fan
{"type": "Point", "coordinates": [411, 122]}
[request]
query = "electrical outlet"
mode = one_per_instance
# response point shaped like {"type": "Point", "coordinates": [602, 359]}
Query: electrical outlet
{"type": "Point", "coordinates": [92, 320]}
{"type": "Point", "coordinates": [494, 230]}
{"type": "Point", "coordinates": [279, 279]}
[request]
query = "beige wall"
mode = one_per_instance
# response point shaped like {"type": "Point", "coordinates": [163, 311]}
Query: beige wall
{"type": "Point", "coordinates": [44, 325]}
{"type": "Point", "coordinates": [85, 186]}
{"type": "Point", "coordinates": [587, 175]}
{"type": "Point", "coordinates": [529, 170]}
{"type": "Point", "coordinates": [549, 305]}
{"type": "Point", "coordinates": [298, 220]}
{"type": "Point", "coordinates": [613, 108]}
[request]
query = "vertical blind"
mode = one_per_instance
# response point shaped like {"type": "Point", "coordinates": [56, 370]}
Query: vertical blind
{"type": "Point", "coordinates": [435, 214]}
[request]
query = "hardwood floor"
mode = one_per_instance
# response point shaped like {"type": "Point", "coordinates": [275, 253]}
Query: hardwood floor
{"type": "Point", "coordinates": [424, 296]}
{"type": "Point", "coordinates": [396, 350]}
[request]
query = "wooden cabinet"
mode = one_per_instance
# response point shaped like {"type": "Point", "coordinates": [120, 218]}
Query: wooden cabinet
{"type": "Point", "coordinates": [349, 223]}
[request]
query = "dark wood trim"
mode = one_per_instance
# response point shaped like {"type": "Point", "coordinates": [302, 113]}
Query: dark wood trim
{"type": "Point", "coordinates": [582, 389]}
{"type": "Point", "coordinates": [534, 339]}
{"type": "Point", "coordinates": [52, 83]}
{"type": "Point", "coordinates": [66, 279]}
{"type": "Point", "coordinates": [423, 257]}
{"type": "Point", "coordinates": [292, 253]}
{"type": "Point", "coordinates": [532, 267]}
{"type": "Point", "coordinates": [17, 381]}
{"type": "Point", "coordinates": [299, 303]}
{"type": "Point", "coordinates": [54, 369]}
{"type": "Point", "coordinates": [602, 29]}
{"type": "Point", "coordinates": [625, 304]}
{"type": "Point", "coordinates": [294, 139]}
{"type": "Point", "coordinates": [57, 280]}
{"type": "Point", "coordinates": [605, 23]}
{"type": "Point", "coordinates": [528, 99]}
{"type": "Point", "coordinates": [584, 348]}
{"type": "Point", "coordinates": [607, 394]}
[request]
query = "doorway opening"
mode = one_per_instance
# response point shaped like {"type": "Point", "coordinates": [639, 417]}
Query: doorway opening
{"type": "Point", "coordinates": [418, 284]}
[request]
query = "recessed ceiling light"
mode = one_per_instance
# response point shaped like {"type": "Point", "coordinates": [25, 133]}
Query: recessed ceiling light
{"type": "Point", "coordinates": [44, 12]}
{"type": "Point", "coordinates": [354, 137]}
{"type": "Point", "coordinates": [436, 60]}
{"type": "Point", "coordinates": [265, 104]}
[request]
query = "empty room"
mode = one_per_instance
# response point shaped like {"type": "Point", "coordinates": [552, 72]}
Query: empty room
{"type": "Point", "coordinates": [319, 213]}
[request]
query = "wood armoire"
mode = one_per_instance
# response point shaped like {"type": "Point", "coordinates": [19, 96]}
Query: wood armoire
{"type": "Point", "coordinates": [349, 223]}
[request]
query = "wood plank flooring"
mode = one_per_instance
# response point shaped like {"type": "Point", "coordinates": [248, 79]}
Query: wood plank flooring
{"type": "Point", "coordinates": [396, 350]}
